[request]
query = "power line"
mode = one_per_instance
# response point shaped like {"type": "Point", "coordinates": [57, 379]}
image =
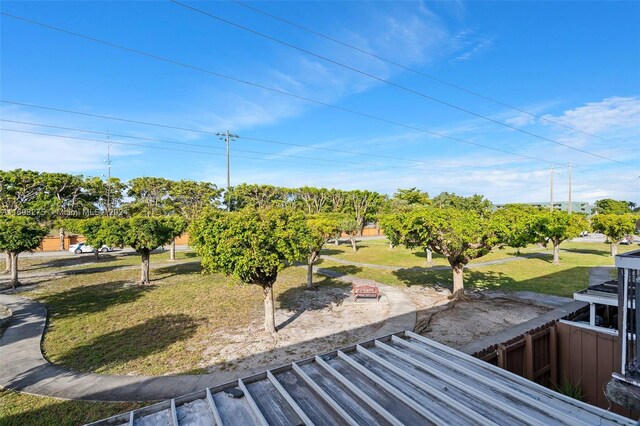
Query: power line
{"type": "Point", "coordinates": [271, 89]}
{"type": "Point", "coordinates": [254, 139]}
{"type": "Point", "coordinates": [154, 147]}
{"type": "Point", "coordinates": [74, 129]}
{"type": "Point", "coordinates": [407, 68]}
{"type": "Point", "coordinates": [331, 163]}
{"type": "Point", "coordinates": [390, 83]}
{"type": "Point", "coordinates": [181, 143]}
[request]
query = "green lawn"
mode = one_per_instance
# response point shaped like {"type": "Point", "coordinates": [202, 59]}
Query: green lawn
{"type": "Point", "coordinates": [378, 252]}
{"type": "Point", "coordinates": [100, 322]}
{"type": "Point", "coordinates": [536, 274]}
{"type": "Point", "coordinates": [27, 263]}
{"type": "Point", "coordinates": [22, 409]}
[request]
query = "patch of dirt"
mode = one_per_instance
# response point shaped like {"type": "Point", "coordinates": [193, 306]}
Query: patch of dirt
{"type": "Point", "coordinates": [457, 324]}
{"type": "Point", "coordinates": [322, 321]}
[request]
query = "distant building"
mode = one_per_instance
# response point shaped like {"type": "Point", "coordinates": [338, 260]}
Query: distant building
{"type": "Point", "coordinates": [577, 206]}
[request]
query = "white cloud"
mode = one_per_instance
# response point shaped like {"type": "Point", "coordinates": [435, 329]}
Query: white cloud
{"type": "Point", "coordinates": [597, 117]}
{"type": "Point", "coordinates": [50, 153]}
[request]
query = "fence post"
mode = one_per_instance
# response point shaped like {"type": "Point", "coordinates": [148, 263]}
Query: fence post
{"type": "Point", "coordinates": [553, 354]}
{"type": "Point", "coordinates": [528, 357]}
{"type": "Point", "coordinates": [502, 357]}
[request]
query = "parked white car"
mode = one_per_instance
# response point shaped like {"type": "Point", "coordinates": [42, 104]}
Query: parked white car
{"type": "Point", "coordinates": [85, 248]}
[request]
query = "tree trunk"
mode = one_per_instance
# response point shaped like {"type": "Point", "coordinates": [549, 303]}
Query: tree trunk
{"type": "Point", "coordinates": [269, 309]}
{"type": "Point", "coordinates": [429, 257]}
{"type": "Point", "coordinates": [458, 281]}
{"type": "Point", "coordinates": [614, 249]}
{"type": "Point", "coordinates": [14, 270]}
{"type": "Point", "coordinates": [310, 276]}
{"type": "Point", "coordinates": [337, 240]}
{"type": "Point", "coordinates": [172, 250]}
{"type": "Point", "coordinates": [61, 231]}
{"type": "Point", "coordinates": [7, 260]}
{"type": "Point", "coordinates": [353, 243]}
{"type": "Point", "coordinates": [390, 245]}
{"type": "Point", "coordinates": [556, 252]}
{"type": "Point", "coordinates": [144, 271]}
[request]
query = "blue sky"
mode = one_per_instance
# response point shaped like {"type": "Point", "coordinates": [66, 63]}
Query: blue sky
{"type": "Point", "coordinates": [575, 63]}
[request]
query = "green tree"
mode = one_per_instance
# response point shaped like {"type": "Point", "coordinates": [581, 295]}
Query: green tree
{"type": "Point", "coordinates": [252, 245]}
{"type": "Point", "coordinates": [611, 206]}
{"type": "Point", "coordinates": [412, 196]}
{"type": "Point", "coordinates": [514, 225]}
{"type": "Point", "coordinates": [19, 234]}
{"type": "Point", "coordinates": [145, 234]}
{"type": "Point", "coordinates": [363, 205]}
{"type": "Point", "coordinates": [18, 189]}
{"type": "Point", "coordinates": [313, 200]}
{"type": "Point", "coordinates": [188, 198]}
{"type": "Point", "coordinates": [393, 226]}
{"type": "Point", "coordinates": [349, 226]}
{"type": "Point", "coordinates": [320, 228]}
{"type": "Point", "coordinates": [459, 235]}
{"type": "Point", "coordinates": [150, 196]}
{"type": "Point", "coordinates": [256, 196]}
{"type": "Point", "coordinates": [615, 226]}
{"type": "Point", "coordinates": [557, 226]}
{"type": "Point", "coordinates": [107, 194]}
{"type": "Point", "coordinates": [476, 202]}
{"type": "Point", "coordinates": [142, 233]}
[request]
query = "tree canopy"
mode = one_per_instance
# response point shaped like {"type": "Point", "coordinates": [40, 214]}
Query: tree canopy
{"type": "Point", "coordinates": [320, 228]}
{"type": "Point", "coordinates": [252, 245]}
{"type": "Point", "coordinates": [557, 226]}
{"type": "Point", "coordinates": [514, 225]}
{"type": "Point", "coordinates": [611, 206]}
{"type": "Point", "coordinates": [476, 202]}
{"type": "Point", "coordinates": [615, 226]}
{"type": "Point", "coordinates": [19, 234]}
{"type": "Point", "coordinates": [459, 235]}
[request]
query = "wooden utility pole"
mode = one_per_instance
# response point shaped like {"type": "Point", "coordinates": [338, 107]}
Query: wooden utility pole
{"type": "Point", "coordinates": [570, 204]}
{"type": "Point", "coordinates": [227, 137]}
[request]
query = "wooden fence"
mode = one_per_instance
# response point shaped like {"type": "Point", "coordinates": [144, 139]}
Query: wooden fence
{"type": "Point", "coordinates": [559, 352]}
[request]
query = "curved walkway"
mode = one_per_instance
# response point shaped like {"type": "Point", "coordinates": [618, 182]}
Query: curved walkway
{"type": "Point", "coordinates": [24, 368]}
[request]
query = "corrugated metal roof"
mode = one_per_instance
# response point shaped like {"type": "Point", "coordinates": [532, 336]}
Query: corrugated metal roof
{"type": "Point", "coordinates": [403, 379]}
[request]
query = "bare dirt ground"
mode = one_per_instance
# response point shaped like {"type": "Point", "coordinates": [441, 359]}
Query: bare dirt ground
{"type": "Point", "coordinates": [456, 324]}
{"type": "Point", "coordinates": [322, 321]}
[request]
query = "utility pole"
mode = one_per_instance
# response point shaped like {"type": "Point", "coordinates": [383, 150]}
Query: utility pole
{"type": "Point", "coordinates": [570, 205]}
{"type": "Point", "coordinates": [108, 185]}
{"type": "Point", "coordinates": [227, 137]}
{"type": "Point", "coordinates": [551, 191]}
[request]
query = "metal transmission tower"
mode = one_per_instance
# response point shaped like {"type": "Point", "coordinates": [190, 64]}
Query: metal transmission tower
{"type": "Point", "coordinates": [227, 137]}
{"type": "Point", "coordinates": [108, 183]}
{"type": "Point", "coordinates": [551, 191]}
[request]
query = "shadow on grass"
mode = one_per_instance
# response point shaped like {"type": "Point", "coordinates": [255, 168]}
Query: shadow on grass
{"type": "Point", "coordinates": [327, 291]}
{"type": "Point", "coordinates": [331, 252]}
{"type": "Point", "coordinates": [596, 252]}
{"type": "Point", "coordinates": [185, 268]}
{"type": "Point", "coordinates": [93, 298]}
{"type": "Point", "coordinates": [120, 346]}
{"type": "Point", "coordinates": [563, 282]}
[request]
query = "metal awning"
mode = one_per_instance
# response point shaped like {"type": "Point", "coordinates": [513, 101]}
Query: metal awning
{"type": "Point", "coordinates": [402, 379]}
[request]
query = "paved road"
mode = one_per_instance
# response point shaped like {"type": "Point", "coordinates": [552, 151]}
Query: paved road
{"type": "Point", "coordinates": [69, 254]}
{"type": "Point", "coordinates": [24, 368]}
